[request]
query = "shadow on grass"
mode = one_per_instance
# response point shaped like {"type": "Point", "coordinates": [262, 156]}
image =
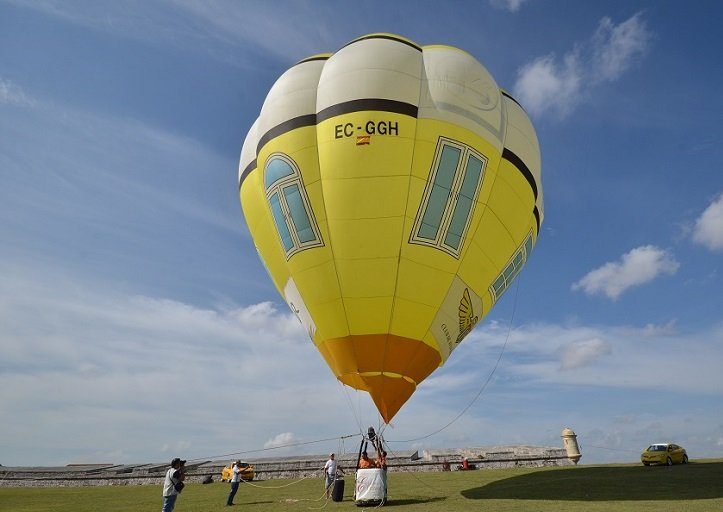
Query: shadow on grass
{"type": "Point", "coordinates": [609, 483]}
{"type": "Point", "coordinates": [413, 501]}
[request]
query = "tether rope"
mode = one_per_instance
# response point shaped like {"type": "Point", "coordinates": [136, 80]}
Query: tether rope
{"type": "Point", "coordinates": [289, 445]}
{"type": "Point", "coordinates": [357, 417]}
{"type": "Point", "coordinates": [484, 385]}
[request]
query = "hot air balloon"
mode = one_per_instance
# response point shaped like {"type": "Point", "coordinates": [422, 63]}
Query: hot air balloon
{"type": "Point", "coordinates": [393, 193]}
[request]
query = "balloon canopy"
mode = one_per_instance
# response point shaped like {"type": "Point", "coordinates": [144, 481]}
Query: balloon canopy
{"type": "Point", "coordinates": [393, 192]}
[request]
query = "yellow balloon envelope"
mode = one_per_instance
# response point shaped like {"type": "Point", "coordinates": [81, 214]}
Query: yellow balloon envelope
{"type": "Point", "coordinates": [393, 193]}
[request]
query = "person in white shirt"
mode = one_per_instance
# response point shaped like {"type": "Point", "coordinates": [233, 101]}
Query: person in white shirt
{"type": "Point", "coordinates": [170, 482]}
{"type": "Point", "coordinates": [330, 469]}
{"type": "Point", "coordinates": [235, 480]}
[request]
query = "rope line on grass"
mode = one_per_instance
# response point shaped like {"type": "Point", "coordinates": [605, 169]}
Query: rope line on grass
{"type": "Point", "coordinates": [279, 486]}
{"type": "Point", "coordinates": [399, 468]}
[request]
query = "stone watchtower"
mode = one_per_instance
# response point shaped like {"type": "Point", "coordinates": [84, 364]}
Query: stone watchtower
{"type": "Point", "coordinates": [569, 441]}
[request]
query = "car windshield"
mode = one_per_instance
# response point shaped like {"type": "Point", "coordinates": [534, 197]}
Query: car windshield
{"type": "Point", "coordinates": [657, 448]}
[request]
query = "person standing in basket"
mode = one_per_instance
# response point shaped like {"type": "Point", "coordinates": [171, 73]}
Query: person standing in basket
{"type": "Point", "coordinates": [235, 481]}
{"type": "Point", "coordinates": [171, 484]}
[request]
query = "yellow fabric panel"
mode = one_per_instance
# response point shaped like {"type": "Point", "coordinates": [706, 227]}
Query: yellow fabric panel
{"type": "Point", "coordinates": [424, 255]}
{"type": "Point", "coordinates": [300, 145]}
{"type": "Point", "coordinates": [423, 157]}
{"type": "Point", "coordinates": [366, 198]}
{"type": "Point", "coordinates": [441, 350]}
{"type": "Point", "coordinates": [368, 315]}
{"type": "Point", "coordinates": [268, 245]}
{"type": "Point", "coordinates": [385, 155]}
{"type": "Point", "coordinates": [478, 271]}
{"type": "Point", "coordinates": [317, 284]}
{"type": "Point", "coordinates": [330, 320]}
{"type": "Point", "coordinates": [422, 284]}
{"type": "Point", "coordinates": [510, 209]}
{"type": "Point", "coordinates": [494, 240]}
{"type": "Point", "coordinates": [429, 131]}
{"type": "Point", "coordinates": [411, 319]}
{"type": "Point", "coordinates": [306, 158]}
{"type": "Point", "coordinates": [416, 194]}
{"type": "Point", "coordinates": [308, 259]}
{"type": "Point", "coordinates": [517, 182]}
{"type": "Point", "coordinates": [263, 230]}
{"type": "Point", "coordinates": [487, 301]}
{"type": "Point", "coordinates": [366, 238]}
{"type": "Point", "coordinates": [490, 177]}
{"type": "Point", "coordinates": [315, 193]}
{"type": "Point", "coordinates": [533, 229]}
{"type": "Point", "coordinates": [251, 199]}
{"type": "Point", "coordinates": [374, 277]}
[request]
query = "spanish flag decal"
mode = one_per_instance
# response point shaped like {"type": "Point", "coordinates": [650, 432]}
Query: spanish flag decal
{"type": "Point", "coordinates": [363, 140]}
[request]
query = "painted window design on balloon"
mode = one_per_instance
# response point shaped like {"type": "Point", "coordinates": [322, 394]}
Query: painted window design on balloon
{"type": "Point", "coordinates": [290, 206]}
{"type": "Point", "coordinates": [449, 197]}
{"type": "Point", "coordinates": [511, 270]}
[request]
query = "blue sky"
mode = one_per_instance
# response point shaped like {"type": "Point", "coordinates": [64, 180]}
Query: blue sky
{"type": "Point", "coordinates": [137, 323]}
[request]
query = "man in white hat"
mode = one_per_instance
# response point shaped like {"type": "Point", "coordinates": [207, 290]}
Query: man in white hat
{"type": "Point", "coordinates": [330, 469]}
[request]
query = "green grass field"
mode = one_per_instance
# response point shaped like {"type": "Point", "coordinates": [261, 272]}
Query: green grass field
{"type": "Point", "coordinates": [611, 488]}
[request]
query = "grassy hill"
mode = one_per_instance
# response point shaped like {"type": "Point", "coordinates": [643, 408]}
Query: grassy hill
{"type": "Point", "coordinates": [694, 487]}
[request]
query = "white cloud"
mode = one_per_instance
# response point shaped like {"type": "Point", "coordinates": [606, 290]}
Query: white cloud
{"type": "Point", "coordinates": [584, 353]}
{"type": "Point", "coordinates": [708, 229]}
{"type": "Point", "coordinates": [614, 356]}
{"type": "Point", "coordinates": [652, 330]}
{"type": "Point", "coordinates": [544, 86]}
{"type": "Point", "coordinates": [11, 94]}
{"type": "Point", "coordinates": [639, 266]}
{"type": "Point", "coordinates": [509, 5]}
{"type": "Point", "coordinates": [280, 440]}
{"type": "Point", "coordinates": [616, 47]}
{"type": "Point", "coordinates": [111, 371]}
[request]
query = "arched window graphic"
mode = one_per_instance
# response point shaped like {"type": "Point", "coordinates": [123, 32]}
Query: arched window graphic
{"type": "Point", "coordinates": [289, 205]}
{"type": "Point", "coordinates": [446, 210]}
